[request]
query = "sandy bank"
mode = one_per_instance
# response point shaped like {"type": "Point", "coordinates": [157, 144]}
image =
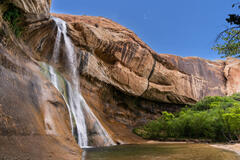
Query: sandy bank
{"type": "Point", "coordinates": [230, 147]}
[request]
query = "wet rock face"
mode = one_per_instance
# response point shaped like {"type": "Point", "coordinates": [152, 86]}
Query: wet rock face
{"type": "Point", "coordinates": [34, 120]}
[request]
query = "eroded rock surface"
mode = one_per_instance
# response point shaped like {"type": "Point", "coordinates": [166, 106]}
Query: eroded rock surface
{"type": "Point", "coordinates": [122, 79]}
{"type": "Point", "coordinates": [116, 56]}
{"type": "Point", "coordinates": [34, 120]}
{"type": "Point", "coordinates": [232, 74]}
{"type": "Point", "coordinates": [34, 10]}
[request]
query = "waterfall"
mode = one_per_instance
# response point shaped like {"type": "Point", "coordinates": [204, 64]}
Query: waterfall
{"type": "Point", "coordinates": [83, 120]}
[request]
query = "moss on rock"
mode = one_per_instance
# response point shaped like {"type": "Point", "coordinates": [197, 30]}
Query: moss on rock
{"type": "Point", "coordinates": [13, 16]}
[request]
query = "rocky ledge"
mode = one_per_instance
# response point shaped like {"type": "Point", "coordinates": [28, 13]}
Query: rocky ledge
{"type": "Point", "coordinates": [115, 56]}
{"type": "Point", "coordinates": [123, 80]}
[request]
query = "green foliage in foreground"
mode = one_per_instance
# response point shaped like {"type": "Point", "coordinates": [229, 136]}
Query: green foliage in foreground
{"type": "Point", "coordinates": [215, 118]}
{"type": "Point", "coordinates": [12, 15]}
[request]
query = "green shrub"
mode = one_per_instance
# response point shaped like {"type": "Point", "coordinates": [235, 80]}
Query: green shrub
{"type": "Point", "coordinates": [216, 118]}
{"type": "Point", "coordinates": [236, 96]}
{"type": "Point", "coordinates": [211, 102]}
{"type": "Point", "coordinates": [13, 15]}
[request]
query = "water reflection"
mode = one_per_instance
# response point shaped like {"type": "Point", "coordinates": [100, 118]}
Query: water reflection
{"type": "Point", "coordinates": [84, 154]}
{"type": "Point", "coordinates": [159, 152]}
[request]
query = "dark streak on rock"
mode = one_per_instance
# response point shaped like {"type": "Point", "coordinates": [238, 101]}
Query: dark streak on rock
{"type": "Point", "coordinates": [153, 68]}
{"type": "Point", "coordinates": [34, 90]}
{"type": "Point", "coordinates": [40, 46]}
{"type": "Point", "coordinates": [150, 75]}
{"type": "Point", "coordinates": [84, 57]}
{"type": "Point", "coordinates": [128, 51]}
{"type": "Point", "coordinates": [123, 52]}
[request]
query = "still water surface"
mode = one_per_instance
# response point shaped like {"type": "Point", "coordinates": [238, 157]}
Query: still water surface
{"type": "Point", "coordinates": [159, 152]}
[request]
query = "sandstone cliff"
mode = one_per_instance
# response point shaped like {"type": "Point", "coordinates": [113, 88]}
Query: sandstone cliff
{"type": "Point", "coordinates": [112, 59]}
{"type": "Point", "coordinates": [123, 80]}
{"type": "Point", "coordinates": [34, 120]}
{"type": "Point", "coordinates": [116, 56]}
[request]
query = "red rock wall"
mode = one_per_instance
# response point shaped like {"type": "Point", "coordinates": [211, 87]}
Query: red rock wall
{"type": "Point", "coordinates": [34, 119]}
{"type": "Point", "coordinates": [124, 80]}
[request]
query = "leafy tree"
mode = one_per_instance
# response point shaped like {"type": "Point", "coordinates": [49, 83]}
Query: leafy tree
{"type": "Point", "coordinates": [230, 37]}
{"type": "Point", "coordinates": [213, 118]}
{"type": "Point", "coordinates": [231, 44]}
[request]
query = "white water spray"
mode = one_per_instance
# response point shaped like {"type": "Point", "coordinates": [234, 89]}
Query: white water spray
{"type": "Point", "coordinates": [80, 113]}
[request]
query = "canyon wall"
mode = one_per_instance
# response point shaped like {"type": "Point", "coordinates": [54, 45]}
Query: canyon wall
{"type": "Point", "coordinates": [34, 120]}
{"type": "Point", "coordinates": [123, 80]}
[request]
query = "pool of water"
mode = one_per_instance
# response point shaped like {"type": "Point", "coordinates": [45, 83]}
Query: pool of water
{"type": "Point", "coordinates": [159, 152]}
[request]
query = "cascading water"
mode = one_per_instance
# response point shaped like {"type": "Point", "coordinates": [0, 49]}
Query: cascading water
{"type": "Point", "coordinates": [82, 118]}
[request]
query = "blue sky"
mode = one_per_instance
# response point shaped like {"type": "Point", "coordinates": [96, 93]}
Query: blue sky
{"type": "Point", "coordinates": [180, 27]}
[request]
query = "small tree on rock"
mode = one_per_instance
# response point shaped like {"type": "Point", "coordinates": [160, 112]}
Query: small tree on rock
{"type": "Point", "coordinates": [230, 38]}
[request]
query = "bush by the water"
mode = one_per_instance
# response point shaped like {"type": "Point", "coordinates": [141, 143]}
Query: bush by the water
{"type": "Point", "coordinates": [215, 118]}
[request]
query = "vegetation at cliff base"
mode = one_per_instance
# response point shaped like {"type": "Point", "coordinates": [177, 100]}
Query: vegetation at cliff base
{"type": "Point", "coordinates": [12, 15]}
{"type": "Point", "coordinates": [213, 118]}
